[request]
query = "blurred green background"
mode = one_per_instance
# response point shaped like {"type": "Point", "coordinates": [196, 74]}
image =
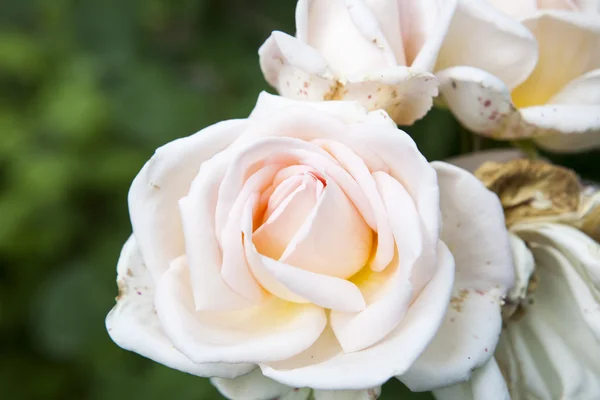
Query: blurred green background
{"type": "Point", "coordinates": [88, 90]}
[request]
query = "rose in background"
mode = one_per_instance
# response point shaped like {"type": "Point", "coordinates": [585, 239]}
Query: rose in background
{"type": "Point", "coordinates": [550, 88]}
{"type": "Point", "coordinates": [379, 53]}
{"type": "Point", "coordinates": [310, 246]}
{"type": "Point", "coordinates": [550, 343]}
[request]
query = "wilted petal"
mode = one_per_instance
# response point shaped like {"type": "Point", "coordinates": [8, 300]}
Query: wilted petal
{"type": "Point", "coordinates": [134, 325]}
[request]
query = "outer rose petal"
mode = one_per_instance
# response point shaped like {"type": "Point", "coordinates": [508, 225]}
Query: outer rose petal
{"type": "Point", "coordinates": [325, 366]}
{"type": "Point", "coordinates": [134, 325]}
{"type": "Point", "coordinates": [474, 230]}
{"type": "Point", "coordinates": [255, 386]}
{"type": "Point", "coordinates": [478, 26]}
{"type": "Point", "coordinates": [486, 383]}
{"type": "Point", "coordinates": [297, 71]}
{"type": "Point", "coordinates": [275, 330]}
{"type": "Point", "coordinates": [160, 184]}
{"type": "Point", "coordinates": [518, 9]}
{"type": "Point", "coordinates": [369, 394]}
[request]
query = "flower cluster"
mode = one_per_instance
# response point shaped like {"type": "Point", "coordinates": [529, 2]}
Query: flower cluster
{"type": "Point", "coordinates": [311, 251]}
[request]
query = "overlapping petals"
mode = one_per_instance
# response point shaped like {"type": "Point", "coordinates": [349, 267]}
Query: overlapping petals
{"type": "Point", "coordinates": [305, 244]}
{"type": "Point", "coordinates": [379, 53]}
{"type": "Point", "coordinates": [539, 78]}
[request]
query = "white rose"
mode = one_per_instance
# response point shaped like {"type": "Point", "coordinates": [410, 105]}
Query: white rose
{"type": "Point", "coordinates": [533, 75]}
{"type": "Point", "coordinates": [378, 52]}
{"type": "Point", "coordinates": [313, 244]}
{"type": "Point", "coordinates": [550, 345]}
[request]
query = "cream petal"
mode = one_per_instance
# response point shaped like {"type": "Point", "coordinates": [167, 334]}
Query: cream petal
{"type": "Point", "coordinates": [357, 331]}
{"type": "Point", "coordinates": [583, 90]}
{"type": "Point", "coordinates": [325, 366]}
{"type": "Point", "coordinates": [202, 247]}
{"type": "Point", "coordinates": [268, 105]}
{"type": "Point", "coordinates": [513, 53]}
{"type": "Point", "coordinates": [361, 174]}
{"type": "Point", "coordinates": [294, 68]}
{"type": "Point", "coordinates": [369, 394]}
{"type": "Point", "coordinates": [486, 383]}
{"type": "Point", "coordinates": [255, 386]}
{"type": "Point", "coordinates": [569, 46]}
{"type": "Point", "coordinates": [518, 9]}
{"type": "Point", "coordinates": [162, 182]}
{"type": "Point", "coordinates": [275, 330]}
{"type": "Point", "coordinates": [425, 27]}
{"type": "Point", "coordinates": [474, 230]}
{"type": "Point", "coordinates": [134, 325]}
{"type": "Point", "coordinates": [272, 237]}
{"type": "Point", "coordinates": [566, 128]}
{"type": "Point", "coordinates": [406, 94]}
{"type": "Point", "coordinates": [388, 15]}
{"type": "Point", "coordinates": [588, 6]}
{"type": "Point", "coordinates": [524, 268]}
{"type": "Point", "coordinates": [334, 239]}
{"type": "Point", "coordinates": [555, 363]}
{"type": "Point", "coordinates": [557, 5]}
{"type": "Point", "coordinates": [480, 101]}
{"type": "Point", "coordinates": [295, 284]}
{"type": "Point", "coordinates": [234, 269]}
{"type": "Point", "coordinates": [347, 35]}
{"type": "Point", "coordinates": [582, 251]}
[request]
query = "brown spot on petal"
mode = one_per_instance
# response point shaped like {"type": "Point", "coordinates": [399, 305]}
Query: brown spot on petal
{"type": "Point", "coordinates": [457, 302]}
{"type": "Point", "coordinates": [335, 92]}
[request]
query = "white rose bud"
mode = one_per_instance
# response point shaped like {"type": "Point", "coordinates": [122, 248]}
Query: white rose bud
{"type": "Point", "coordinates": [380, 53]}
{"type": "Point", "coordinates": [313, 245]}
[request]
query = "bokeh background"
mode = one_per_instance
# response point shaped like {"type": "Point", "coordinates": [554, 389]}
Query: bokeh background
{"type": "Point", "coordinates": [88, 90]}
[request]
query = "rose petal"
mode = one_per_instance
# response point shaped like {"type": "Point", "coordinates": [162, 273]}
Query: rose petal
{"type": "Point", "coordinates": [275, 330]}
{"type": "Point", "coordinates": [255, 386]}
{"type": "Point", "coordinates": [356, 331]}
{"type": "Point", "coordinates": [518, 9]}
{"type": "Point", "coordinates": [293, 68]}
{"type": "Point", "coordinates": [346, 34]}
{"type": "Point", "coordinates": [134, 325]}
{"type": "Point", "coordinates": [425, 26]}
{"type": "Point", "coordinates": [480, 101]}
{"type": "Point", "coordinates": [501, 46]}
{"type": "Point", "coordinates": [295, 284]}
{"type": "Point", "coordinates": [162, 182]}
{"type": "Point", "coordinates": [326, 366]}
{"type": "Point", "coordinates": [486, 382]}
{"type": "Point", "coordinates": [369, 394]}
{"type": "Point", "coordinates": [474, 230]}
{"type": "Point", "coordinates": [583, 90]}
{"type": "Point", "coordinates": [272, 238]}
{"type": "Point", "coordinates": [361, 174]}
{"type": "Point", "coordinates": [569, 46]}
{"type": "Point", "coordinates": [334, 239]}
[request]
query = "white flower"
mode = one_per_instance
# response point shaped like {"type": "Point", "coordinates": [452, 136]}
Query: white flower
{"type": "Point", "coordinates": [314, 245]}
{"type": "Point", "coordinates": [537, 78]}
{"type": "Point", "coordinates": [378, 52]}
{"type": "Point", "coordinates": [550, 345]}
